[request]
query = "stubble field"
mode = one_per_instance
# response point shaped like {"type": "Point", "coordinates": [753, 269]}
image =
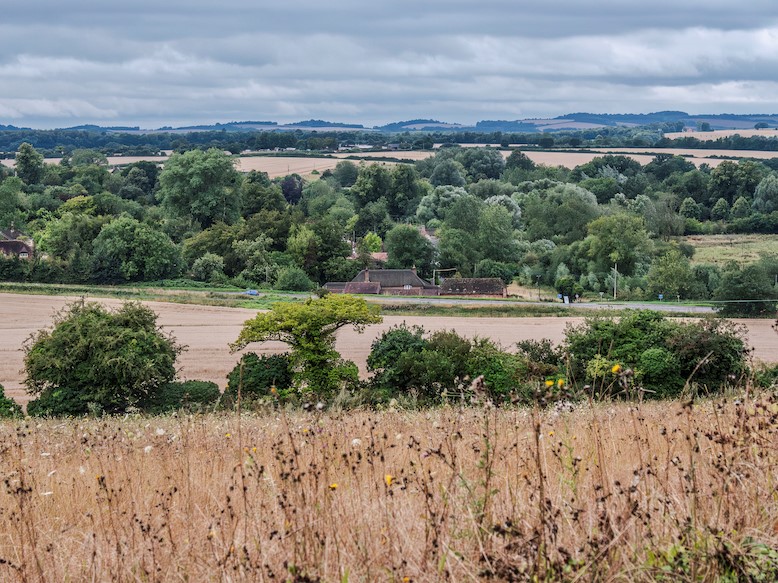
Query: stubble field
{"type": "Point", "coordinates": [208, 330]}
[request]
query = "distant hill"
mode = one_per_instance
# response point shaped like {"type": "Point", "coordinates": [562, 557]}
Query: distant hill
{"type": "Point", "coordinates": [568, 122]}
{"type": "Point", "coordinates": [320, 123]}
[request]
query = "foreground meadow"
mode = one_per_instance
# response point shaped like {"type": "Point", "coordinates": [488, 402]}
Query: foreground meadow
{"type": "Point", "coordinates": [604, 492]}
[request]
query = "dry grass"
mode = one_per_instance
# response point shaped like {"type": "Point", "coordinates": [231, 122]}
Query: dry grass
{"type": "Point", "coordinates": [721, 249]}
{"type": "Point", "coordinates": [610, 492]}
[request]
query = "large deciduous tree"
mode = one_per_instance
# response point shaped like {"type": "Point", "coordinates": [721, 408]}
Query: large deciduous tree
{"type": "Point", "coordinates": [128, 250]}
{"type": "Point", "coordinates": [29, 164]}
{"type": "Point", "coordinates": [201, 185]}
{"type": "Point", "coordinates": [309, 329]}
{"type": "Point", "coordinates": [97, 359]}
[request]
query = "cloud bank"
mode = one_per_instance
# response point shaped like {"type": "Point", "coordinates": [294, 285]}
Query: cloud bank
{"type": "Point", "coordinates": [175, 62]}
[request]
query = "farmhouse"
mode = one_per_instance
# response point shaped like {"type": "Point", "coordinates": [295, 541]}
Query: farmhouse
{"type": "Point", "coordinates": [385, 281]}
{"type": "Point", "coordinates": [14, 243]}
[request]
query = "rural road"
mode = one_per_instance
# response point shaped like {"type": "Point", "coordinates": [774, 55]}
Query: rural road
{"type": "Point", "coordinates": [208, 330]}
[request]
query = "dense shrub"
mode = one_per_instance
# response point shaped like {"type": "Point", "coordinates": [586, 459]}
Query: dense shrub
{"type": "Point", "coordinates": [405, 363]}
{"type": "Point", "coordinates": [663, 354]}
{"type": "Point", "coordinates": [194, 396]}
{"type": "Point", "coordinates": [293, 279]}
{"type": "Point", "coordinates": [94, 360]}
{"type": "Point", "coordinates": [258, 375]}
{"type": "Point", "coordinates": [9, 409]}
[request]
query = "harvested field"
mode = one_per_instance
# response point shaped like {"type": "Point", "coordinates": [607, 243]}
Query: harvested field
{"type": "Point", "coordinates": [207, 331]}
{"type": "Point", "coordinates": [694, 154]}
{"type": "Point", "coordinates": [716, 134]}
{"type": "Point", "coordinates": [277, 166]}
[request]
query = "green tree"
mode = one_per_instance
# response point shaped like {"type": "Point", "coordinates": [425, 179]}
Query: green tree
{"type": "Point", "coordinates": [621, 239]}
{"type": "Point", "coordinates": [752, 282]}
{"type": "Point", "coordinates": [373, 183]}
{"type": "Point", "coordinates": [309, 329]}
{"type": "Point", "coordinates": [345, 173]}
{"type": "Point", "coordinates": [201, 185]}
{"type": "Point", "coordinates": [720, 210]}
{"type": "Point", "coordinates": [11, 202]}
{"type": "Point", "coordinates": [209, 267]}
{"type": "Point", "coordinates": [766, 195]}
{"type": "Point", "coordinates": [128, 250]}
{"type": "Point", "coordinates": [558, 212]}
{"type": "Point", "coordinates": [29, 164]}
{"type": "Point", "coordinates": [448, 173]}
{"type": "Point", "coordinates": [407, 247]}
{"type": "Point", "coordinates": [95, 359]}
{"type": "Point", "coordinates": [519, 160]}
{"type": "Point", "coordinates": [671, 275]}
{"type": "Point", "coordinates": [9, 409]}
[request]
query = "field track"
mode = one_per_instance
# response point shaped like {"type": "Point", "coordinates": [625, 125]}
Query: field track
{"type": "Point", "coordinates": [208, 330]}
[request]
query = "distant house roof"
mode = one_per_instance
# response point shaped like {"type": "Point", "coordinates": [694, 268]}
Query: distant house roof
{"type": "Point", "coordinates": [15, 248]}
{"type": "Point", "coordinates": [11, 234]}
{"type": "Point", "coordinates": [393, 278]}
{"type": "Point", "coordinates": [463, 286]}
{"type": "Point", "coordinates": [362, 287]}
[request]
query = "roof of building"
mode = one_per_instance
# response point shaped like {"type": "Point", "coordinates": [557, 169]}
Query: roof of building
{"type": "Point", "coordinates": [393, 278]}
{"type": "Point", "coordinates": [15, 247]}
{"type": "Point", "coordinates": [362, 287]}
{"type": "Point", "coordinates": [473, 286]}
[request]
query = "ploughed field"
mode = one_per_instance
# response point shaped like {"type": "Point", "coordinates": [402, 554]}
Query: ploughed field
{"type": "Point", "coordinates": [208, 330]}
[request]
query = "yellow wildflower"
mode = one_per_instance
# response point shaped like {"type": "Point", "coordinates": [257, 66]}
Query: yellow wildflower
{"type": "Point", "coordinates": [616, 369]}
{"type": "Point", "coordinates": [388, 479]}
{"type": "Point", "coordinates": [560, 383]}
{"type": "Point", "coordinates": [549, 383]}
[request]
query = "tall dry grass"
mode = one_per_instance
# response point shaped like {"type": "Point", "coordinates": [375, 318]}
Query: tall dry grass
{"type": "Point", "coordinates": [593, 493]}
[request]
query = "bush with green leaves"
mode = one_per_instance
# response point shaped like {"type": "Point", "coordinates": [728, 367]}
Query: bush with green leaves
{"type": "Point", "coordinates": [664, 355]}
{"type": "Point", "coordinates": [191, 396]}
{"type": "Point", "coordinates": [98, 361]}
{"type": "Point", "coordinates": [9, 409]}
{"type": "Point", "coordinates": [293, 279]}
{"type": "Point", "coordinates": [255, 375]}
{"type": "Point", "coordinates": [406, 363]}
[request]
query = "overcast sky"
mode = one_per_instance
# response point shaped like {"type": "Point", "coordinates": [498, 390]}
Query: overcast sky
{"type": "Point", "coordinates": [177, 62]}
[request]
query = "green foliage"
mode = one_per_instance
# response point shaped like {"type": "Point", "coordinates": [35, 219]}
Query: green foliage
{"type": "Point", "coordinates": [128, 250]}
{"type": "Point", "coordinates": [209, 267]}
{"type": "Point", "coordinates": [293, 279]}
{"type": "Point", "coordinates": [309, 330]}
{"type": "Point", "coordinates": [201, 185]}
{"type": "Point", "coordinates": [671, 275]}
{"type": "Point", "coordinates": [94, 359]}
{"type": "Point", "coordinates": [407, 364]}
{"type": "Point", "coordinates": [9, 409]}
{"type": "Point", "coordinates": [621, 239]}
{"type": "Point", "coordinates": [407, 248]}
{"type": "Point", "coordinates": [29, 164]}
{"type": "Point", "coordinates": [738, 286]}
{"type": "Point", "coordinates": [257, 375]}
{"type": "Point", "coordinates": [192, 396]}
{"type": "Point", "coordinates": [663, 354]}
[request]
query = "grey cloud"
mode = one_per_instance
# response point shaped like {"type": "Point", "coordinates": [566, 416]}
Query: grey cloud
{"type": "Point", "coordinates": [372, 62]}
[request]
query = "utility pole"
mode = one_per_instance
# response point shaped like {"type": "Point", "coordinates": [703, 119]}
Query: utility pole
{"type": "Point", "coordinates": [615, 278]}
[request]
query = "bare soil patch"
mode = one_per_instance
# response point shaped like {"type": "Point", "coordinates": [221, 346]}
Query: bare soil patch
{"type": "Point", "coordinates": [208, 330]}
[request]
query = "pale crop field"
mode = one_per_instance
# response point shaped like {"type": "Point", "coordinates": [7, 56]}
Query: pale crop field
{"type": "Point", "coordinates": [721, 249]}
{"type": "Point", "coordinates": [716, 134]}
{"type": "Point", "coordinates": [609, 492]}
